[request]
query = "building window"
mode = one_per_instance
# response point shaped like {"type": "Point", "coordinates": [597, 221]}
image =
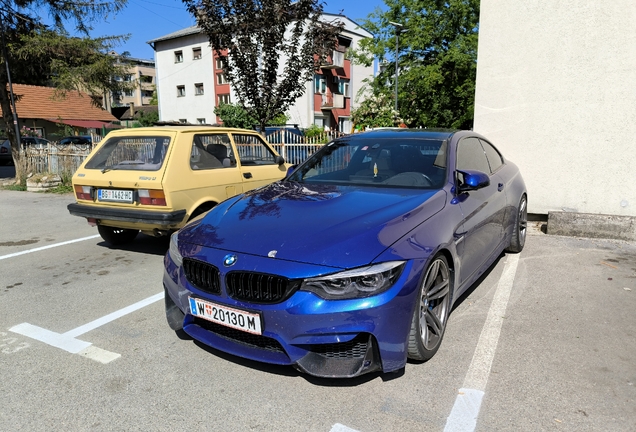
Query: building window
{"type": "Point", "coordinates": [128, 78]}
{"type": "Point", "coordinates": [320, 84]}
{"type": "Point", "coordinates": [180, 91]}
{"type": "Point", "coordinates": [196, 53]}
{"type": "Point", "coordinates": [220, 63]}
{"type": "Point", "coordinates": [224, 99]}
{"type": "Point", "coordinates": [145, 79]}
{"type": "Point", "coordinates": [178, 56]}
{"type": "Point", "coordinates": [183, 120]}
{"type": "Point", "coordinates": [147, 93]}
{"type": "Point", "coordinates": [343, 87]}
{"type": "Point", "coordinates": [201, 121]}
{"type": "Point", "coordinates": [129, 93]}
{"type": "Point", "coordinates": [198, 89]}
{"type": "Point", "coordinates": [220, 79]}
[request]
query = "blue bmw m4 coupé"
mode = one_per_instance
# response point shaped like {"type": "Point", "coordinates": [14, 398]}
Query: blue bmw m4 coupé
{"type": "Point", "coordinates": [350, 264]}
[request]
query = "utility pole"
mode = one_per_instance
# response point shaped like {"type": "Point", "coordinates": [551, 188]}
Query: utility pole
{"type": "Point", "coordinates": [399, 28]}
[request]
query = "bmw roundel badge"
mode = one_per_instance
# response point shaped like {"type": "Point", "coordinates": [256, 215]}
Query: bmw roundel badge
{"type": "Point", "coordinates": [229, 260]}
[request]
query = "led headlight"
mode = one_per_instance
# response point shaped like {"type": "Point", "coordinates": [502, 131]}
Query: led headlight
{"type": "Point", "coordinates": [174, 250]}
{"type": "Point", "coordinates": [361, 282]}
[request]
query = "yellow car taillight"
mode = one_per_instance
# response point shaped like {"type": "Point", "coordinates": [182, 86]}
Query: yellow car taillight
{"type": "Point", "coordinates": [84, 192]}
{"type": "Point", "coordinates": [152, 197]}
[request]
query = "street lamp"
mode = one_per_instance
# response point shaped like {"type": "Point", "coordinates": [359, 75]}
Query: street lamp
{"type": "Point", "coordinates": [399, 28]}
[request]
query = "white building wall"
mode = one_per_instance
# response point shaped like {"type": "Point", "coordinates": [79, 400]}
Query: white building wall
{"type": "Point", "coordinates": [187, 73]}
{"type": "Point", "coordinates": [555, 92]}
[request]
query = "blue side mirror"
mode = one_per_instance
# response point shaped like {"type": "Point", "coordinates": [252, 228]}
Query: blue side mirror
{"type": "Point", "coordinates": [291, 169]}
{"type": "Point", "coordinates": [474, 180]}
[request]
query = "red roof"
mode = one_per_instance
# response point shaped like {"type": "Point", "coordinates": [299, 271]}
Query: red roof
{"type": "Point", "coordinates": [39, 103]}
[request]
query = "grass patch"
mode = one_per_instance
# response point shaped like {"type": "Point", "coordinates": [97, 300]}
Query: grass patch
{"type": "Point", "coordinates": [61, 189]}
{"type": "Point", "coordinates": [15, 187]}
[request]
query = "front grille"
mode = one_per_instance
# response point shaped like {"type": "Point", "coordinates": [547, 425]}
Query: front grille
{"type": "Point", "coordinates": [202, 275]}
{"type": "Point", "coordinates": [355, 348]}
{"type": "Point", "coordinates": [249, 339]}
{"type": "Point", "coordinates": [259, 287]}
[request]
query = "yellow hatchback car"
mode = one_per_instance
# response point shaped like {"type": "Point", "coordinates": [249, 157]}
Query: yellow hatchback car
{"type": "Point", "coordinates": [155, 179]}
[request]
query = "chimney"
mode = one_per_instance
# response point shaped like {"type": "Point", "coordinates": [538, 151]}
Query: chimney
{"type": "Point", "coordinates": [132, 109]}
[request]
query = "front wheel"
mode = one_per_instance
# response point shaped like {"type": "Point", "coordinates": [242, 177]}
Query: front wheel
{"type": "Point", "coordinates": [116, 236]}
{"type": "Point", "coordinates": [520, 229]}
{"type": "Point", "coordinates": [431, 311]}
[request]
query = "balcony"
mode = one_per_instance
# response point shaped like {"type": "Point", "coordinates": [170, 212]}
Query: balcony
{"type": "Point", "coordinates": [332, 101]}
{"type": "Point", "coordinates": [335, 61]}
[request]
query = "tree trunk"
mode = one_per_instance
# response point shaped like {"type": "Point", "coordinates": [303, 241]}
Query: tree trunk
{"type": "Point", "coordinates": [7, 123]}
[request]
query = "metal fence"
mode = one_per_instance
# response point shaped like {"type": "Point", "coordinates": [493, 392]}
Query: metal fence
{"type": "Point", "coordinates": [66, 159]}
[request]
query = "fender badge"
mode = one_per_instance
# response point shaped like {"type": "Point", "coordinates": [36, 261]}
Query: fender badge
{"type": "Point", "coordinates": [229, 260]}
{"type": "Point", "coordinates": [272, 254]}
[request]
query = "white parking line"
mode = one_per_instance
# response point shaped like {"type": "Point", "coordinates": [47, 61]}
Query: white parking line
{"type": "Point", "coordinates": [68, 342]}
{"type": "Point", "coordinates": [463, 416]}
{"type": "Point", "coordinates": [47, 247]}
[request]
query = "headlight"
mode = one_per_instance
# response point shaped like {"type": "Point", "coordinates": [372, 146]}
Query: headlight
{"type": "Point", "coordinates": [356, 283]}
{"type": "Point", "coordinates": [174, 249]}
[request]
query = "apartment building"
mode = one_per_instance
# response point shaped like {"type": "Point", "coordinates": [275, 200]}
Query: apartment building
{"type": "Point", "coordinates": [191, 80]}
{"type": "Point", "coordinates": [141, 73]}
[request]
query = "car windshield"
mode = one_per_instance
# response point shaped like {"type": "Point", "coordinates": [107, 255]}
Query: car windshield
{"type": "Point", "coordinates": [388, 162]}
{"type": "Point", "coordinates": [140, 153]}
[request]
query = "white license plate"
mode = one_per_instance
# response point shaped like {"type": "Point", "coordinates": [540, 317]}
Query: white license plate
{"type": "Point", "coordinates": [115, 195]}
{"type": "Point", "coordinates": [227, 316]}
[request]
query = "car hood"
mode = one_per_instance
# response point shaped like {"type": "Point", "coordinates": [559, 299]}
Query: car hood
{"type": "Point", "coordinates": [338, 226]}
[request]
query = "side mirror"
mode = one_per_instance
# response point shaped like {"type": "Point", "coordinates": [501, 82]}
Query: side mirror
{"type": "Point", "coordinates": [474, 180]}
{"type": "Point", "coordinates": [291, 169]}
{"type": "Point", "coordinates": [279, 160]}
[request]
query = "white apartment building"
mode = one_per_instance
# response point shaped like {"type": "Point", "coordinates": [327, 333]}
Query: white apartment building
{"type": "Point", "coordinates": [191, 83]}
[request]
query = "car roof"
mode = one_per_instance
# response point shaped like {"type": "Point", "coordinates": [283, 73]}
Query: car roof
{"type": "Point", "coordinates": [185, 128]}
{"type": "Point", "coordinates": [436, 134]}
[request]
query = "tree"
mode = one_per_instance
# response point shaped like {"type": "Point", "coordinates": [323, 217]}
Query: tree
{"type": "Point", "coordinates": [38, 54]}
{"type": "Point", "coordinates": [437, 58]}
{"type": "Point", "coordinates": [147, 118]}
{"type": "Point", "coordinates": [376, 111]}
{"type": "Point", "coordinates": [234, 115]}
{"type": "Point", "coordinates": [270, 48]}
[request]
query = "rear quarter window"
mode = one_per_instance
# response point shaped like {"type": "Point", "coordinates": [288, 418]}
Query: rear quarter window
{"type": "Point", "coordinates": [139, 153]}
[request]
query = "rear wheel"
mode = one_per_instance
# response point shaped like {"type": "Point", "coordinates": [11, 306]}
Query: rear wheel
{"type": "Point", "coordinates": [431, 311]}
{"type": "Point", "coordinates": [116, 236]}
{"type": "Point", "coordinates": [518, 239]}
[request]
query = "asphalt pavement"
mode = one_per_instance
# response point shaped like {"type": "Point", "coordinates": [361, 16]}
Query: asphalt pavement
{"type": "Point", "coordinates": [545, 341]}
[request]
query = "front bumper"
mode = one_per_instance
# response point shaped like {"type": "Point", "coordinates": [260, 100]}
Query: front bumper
{"type": "Point", "coordinates": [147, 217]}
{"type": "Point", "coordinates": [326, 338]}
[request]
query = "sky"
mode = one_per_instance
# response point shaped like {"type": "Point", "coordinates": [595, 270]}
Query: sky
{"type": "Point", "coordinates": [150, 19]}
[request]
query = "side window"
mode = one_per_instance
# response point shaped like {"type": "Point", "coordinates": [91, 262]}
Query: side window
{"type": "Point", "coordinates": [471, 156]}
{"type": "Point", "coordinates": [252, 150]}
{"type": "Point", "coordinates": [494, 158]}
{"type": "Point", "coordinates": [211, 151]}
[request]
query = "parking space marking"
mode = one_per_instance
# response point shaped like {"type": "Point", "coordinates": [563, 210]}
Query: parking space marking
{"type": "Point", "coordinates": [68, 342]}
{"type": "Point", "coordinates": [463, 416]}
{"type": "Point", "coordinates": [341, 428]}
{"type": "Point", "coordinates": [47, 247]}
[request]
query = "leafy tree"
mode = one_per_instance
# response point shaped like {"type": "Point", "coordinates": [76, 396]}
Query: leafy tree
{"type": "Point", "coordinates": [147, 118]}
{"type": "Point", "coordinates": [437, 58]}
{"type": "Point", "coordinates": [235, 115]}
{"type": "Point", "coordinates": [376, 111]}
{"type": "Point", "coordinates": [38, 54]}
{"type": "Point", "coordinates": [271, 48]}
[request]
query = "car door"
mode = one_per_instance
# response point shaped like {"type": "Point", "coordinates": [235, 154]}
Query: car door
{"type": "Point", "coordinates": [257, 161]}
{"type": "Point", "coordinates": [482, 209]}
{"type": "Point", "coordinates": [209, 174]}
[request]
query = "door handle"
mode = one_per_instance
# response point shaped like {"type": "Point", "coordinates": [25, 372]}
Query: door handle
{"type": "Point", "coordinates": [247, 175]}
{"type": "Point", "coordinates": [500, 187]}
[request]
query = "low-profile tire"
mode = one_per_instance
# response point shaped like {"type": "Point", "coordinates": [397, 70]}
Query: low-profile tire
{"type": "Point", "coordinates": [431, 311]}
{"type": "Point", "coordinates": [116, 236]}
{"type": "Point", "coordinates": [520, 229]}
{"type": "Point", "coordinates": [174, 316]}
